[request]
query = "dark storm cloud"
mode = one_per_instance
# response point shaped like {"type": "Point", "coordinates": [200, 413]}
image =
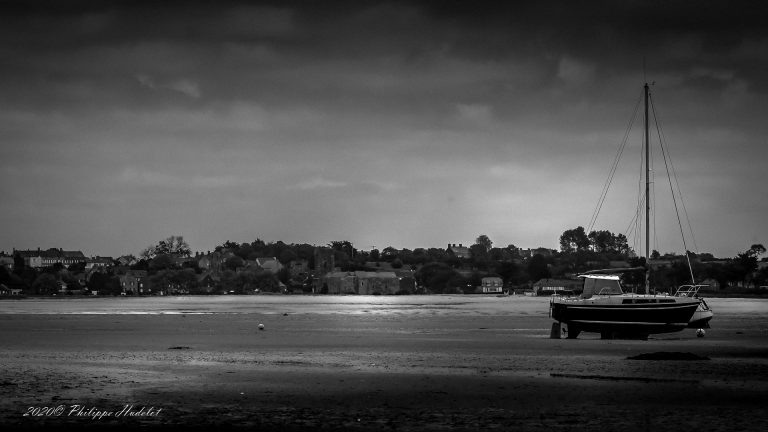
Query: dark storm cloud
{"type": "Point", "coordinates": [281, 110]}
{"type": "Point", "coordinates": [53, 41]}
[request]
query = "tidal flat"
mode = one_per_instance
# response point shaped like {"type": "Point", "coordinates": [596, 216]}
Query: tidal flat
{"type": "Point", "coordinates": [406, 363]}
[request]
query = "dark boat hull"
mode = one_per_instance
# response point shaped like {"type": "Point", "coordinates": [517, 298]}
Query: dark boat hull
{"type": "Point", "coordinates": [624, 318]}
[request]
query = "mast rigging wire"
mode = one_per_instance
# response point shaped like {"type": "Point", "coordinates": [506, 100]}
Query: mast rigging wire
{"type": "Point", "coordinates": [664, 152]}
{"type": "Point", "coordinates": [612, 171]}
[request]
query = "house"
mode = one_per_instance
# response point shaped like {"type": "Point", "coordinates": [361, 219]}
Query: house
{"type": "Point", "coordinates": [208, 281]}
{"type": "Point", "coordinates": [367, 283]}
{"type": "Point", "coordinates": [127, 260]}
{"type": "Point", "coordinates": [213, 261]}
{"type": "Point", "coordinates": [5, 291]}
{"type": "Point", "coordinates": [491, 285]}
{"type": "Point", "coordinates": [183, 261]}
{"type": "Point", "coordinates": [377, 283]}
{"type": "Point", "coordinates": [6, 260]}
{"type": "Point", "coordinates": [407, 281]}
{"type": "Point", "coordinates": [98, 262]}
{"type": "Point", "coordinates": [270, 264]}
{"type": "Point", "coordinates": [298, 269]}
{"type": "Point", "coordinates": [339, 283]}
{"type": "Point", "coordinates": [552, 286]}
{"type": "Point", "coordinates": [46, 258]}
{"type": "Point", "coordinates": [529, 253]}
{"type": "Point", "coordinates": [459, 251]}
{"type": "Point", "coordinates": [324, 260]}
{"type": "Point", "coordinates": [135, 282]}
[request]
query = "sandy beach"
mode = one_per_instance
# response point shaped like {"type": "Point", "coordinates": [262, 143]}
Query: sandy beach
{"type": "Point", "coordinates": [368, 363]}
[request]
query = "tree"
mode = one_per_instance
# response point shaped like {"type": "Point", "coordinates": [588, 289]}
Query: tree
{"type": "Point", "coordinates": [18, 263]}
{"type": "Point", "coordinates": [184, 280]}
{"type": "Point", "coordinates": [601, 241]}
{"type": "Point", "coordinates": [161, 262]}
{"type": "Point", "coordinates": [46, 283]}
{"type": "Point", "coordinates": [484, 241]}
{"type": "Point", "coordinates": [537, 268]}
{"type": "Point", "coordinates": [479, 256]}
{"type": "Point", "coordinates": [77, 267]}
{"type": "Point", "coordinates": [755, 250]}
{"type": "Point", "coordinates": [11, 280]}
{"type": "Point", "coordinates": [744, 265]}
{"type": "Point", "coordinates": [98, 282]}
{"type": "Point", "coordinates": [233, 263]}
{"type": "Point", "coordinates": [230, 246]}
{"type": "Point", "coordinates": [574, 240]}
{"type": "Point", "coordinates": [287, 255]}
{"type": "Point", "coordinates": [509, 272]}
{"type": "Point", "coordinates": [621, 244]}
{"type": "Point", "coordinates": [173, 245]}
{"type": "Point", "coordinates": [513, 250]}
{"type": "Point", "coordinates": [438, 277]}
{"type": "Point", "coordinates": [161, 281]}
{"type": "Point", "coordinates": [761, 277]}
{"type": "Point", "coordinates": [389, 253]}
{"type": "Point", "coordinates": [343, 246]}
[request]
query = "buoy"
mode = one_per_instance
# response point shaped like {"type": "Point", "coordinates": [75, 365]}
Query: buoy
{"type": "Point", "coordinates": [700, 333]}
{"type": "Point", "coordinates": [261, 326]}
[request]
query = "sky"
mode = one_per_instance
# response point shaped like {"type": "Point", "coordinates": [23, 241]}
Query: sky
{"type": "Point", "coordinates": [394, 123]}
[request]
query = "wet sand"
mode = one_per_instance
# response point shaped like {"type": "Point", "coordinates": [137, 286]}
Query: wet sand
{"type": "Point", "coordinates": [368, 363]}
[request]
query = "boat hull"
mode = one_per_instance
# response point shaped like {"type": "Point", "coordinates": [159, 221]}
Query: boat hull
{"type": "Point", "coordinates": [701, 318]}
{"type": "Point", "coordinates": [624, 318]}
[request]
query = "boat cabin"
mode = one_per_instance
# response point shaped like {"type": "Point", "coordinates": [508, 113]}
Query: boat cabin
{"type": "Point", "coordinates": [601, 285]}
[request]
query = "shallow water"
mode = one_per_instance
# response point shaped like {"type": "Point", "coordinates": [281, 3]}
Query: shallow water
{"type": "Point", "coordinates": [470, 305]}
{"type": "Point", "coordinates": [271, 304]}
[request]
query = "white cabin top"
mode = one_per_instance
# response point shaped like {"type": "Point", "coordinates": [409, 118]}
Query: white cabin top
{"type": "Point", "coordinates": [601, 284]}
{"type": "Point", "coordinates": [600, 276]}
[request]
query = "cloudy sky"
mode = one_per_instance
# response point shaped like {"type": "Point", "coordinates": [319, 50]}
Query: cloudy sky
{"type": "Point", "coordinates": [393, 123]}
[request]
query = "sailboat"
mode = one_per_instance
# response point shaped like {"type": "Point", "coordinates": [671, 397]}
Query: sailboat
{"type": "Point", "coordinates": [604, 307]}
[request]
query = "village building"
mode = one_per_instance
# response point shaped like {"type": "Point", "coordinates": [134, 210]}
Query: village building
{"type": "Point", "coordinates": [324, 260]}
{"type": "Point", "coordinates": [5, 291]}
{"type": "Point", "coordinates": [556, 286]}
{"type": "Point", "coordinates": [6, 260]}
{"type": "Point", "coordinates": [459, 251]}
{"type": "Point", "coordinates": [377, 283]}
{"type": "Point", "coordinates": [207, 282]}
{"type": "Point", "coordinates": [339, 283]}
{"type": "Point", "coordinates": [269, 264]}
{"type": "Point", "coordinates": [213, 261]}
{"type": "Point", "coordinates": [529, 253]}
{"type": "Point", "coordinates": [126, 260]}
{"type": "Point", "coordinates": [98, 262]}
{"type": "Point", "coordinates": [298, 269]}
{"type": "Point", "coordinates": [135, 282]}
{"type": "Point", "coordinates": [367, 283]}
{"type": "Point", "coordinates": [491, 285]}
{"type": "Point", "coordinates": [46, 258]}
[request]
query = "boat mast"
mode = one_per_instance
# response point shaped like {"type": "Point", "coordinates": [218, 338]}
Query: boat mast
{"type": "Point", "coordinates": [647, 198]}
